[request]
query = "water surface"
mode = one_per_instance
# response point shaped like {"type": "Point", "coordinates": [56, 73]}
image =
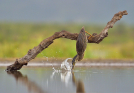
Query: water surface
{"type": "Point", "coordinates": [82, 79]}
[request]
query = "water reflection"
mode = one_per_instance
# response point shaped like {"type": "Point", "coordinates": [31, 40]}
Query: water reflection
{"type": "Point", "coordinates": [65, 76]}
{"type": "Point", "coordinates": [31, 86]}
{"type": "Point", "coordinates": [84, 80]}
{"type": "Point", "coordinates": [79, 84]}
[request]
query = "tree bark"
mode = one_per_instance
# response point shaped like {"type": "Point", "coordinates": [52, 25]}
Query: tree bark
{"type": "Point", "coordinates": [32, 53]}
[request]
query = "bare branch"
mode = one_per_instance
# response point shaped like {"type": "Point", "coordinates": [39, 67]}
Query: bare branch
{"type": "Point", "coordinates": [32, 53]}
{"type": "Point", "coordinates": [104, 33]}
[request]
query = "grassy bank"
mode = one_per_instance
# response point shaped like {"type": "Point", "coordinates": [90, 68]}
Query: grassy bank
{"type": "Point", "coordinates": [17, 38]}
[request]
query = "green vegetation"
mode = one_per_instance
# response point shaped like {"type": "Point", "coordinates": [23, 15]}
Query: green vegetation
{"type": "Point", "coordinates": [17, 38]}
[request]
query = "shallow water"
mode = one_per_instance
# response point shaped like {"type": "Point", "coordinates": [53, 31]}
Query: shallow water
{"type": "Point", "coordinates": [86, 79]}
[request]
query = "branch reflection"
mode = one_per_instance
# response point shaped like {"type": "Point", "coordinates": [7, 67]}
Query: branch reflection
{"type": "Point", "coordinates": [32, 86]}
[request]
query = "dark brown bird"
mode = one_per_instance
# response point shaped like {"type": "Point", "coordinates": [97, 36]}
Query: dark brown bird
{"type": "Point", "coordinates": [81, 45]}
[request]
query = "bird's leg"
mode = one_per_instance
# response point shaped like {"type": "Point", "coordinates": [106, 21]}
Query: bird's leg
{"type": "Point", "coordinates": [89, 34]}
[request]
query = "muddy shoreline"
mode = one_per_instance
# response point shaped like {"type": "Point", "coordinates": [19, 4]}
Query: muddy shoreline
{"type": "Point", "coordinates": [85, 62]}
{"type": "Point", "coordinates": [59, 60]}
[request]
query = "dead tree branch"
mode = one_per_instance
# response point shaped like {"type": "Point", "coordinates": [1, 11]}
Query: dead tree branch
{"type": "Point", "coordinates": [32, 53]}
{"type": "Point", "coordinates": [104, 33]}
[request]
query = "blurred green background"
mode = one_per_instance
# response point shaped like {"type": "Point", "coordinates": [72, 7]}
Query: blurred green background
{"type": "Point", "coordinates": [17, 38]}
{"type": "Point", "coordinates": [24, 24]}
